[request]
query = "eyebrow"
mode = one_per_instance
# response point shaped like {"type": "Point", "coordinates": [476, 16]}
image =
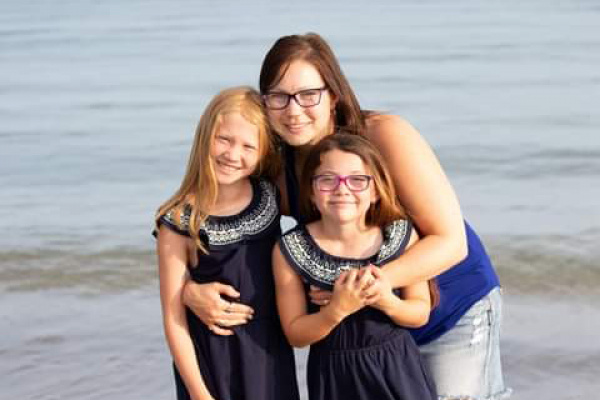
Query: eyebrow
{"type": "Point", "coordinates": [355, 172]}
{"type": "Point", "coordinates": [276, 89]}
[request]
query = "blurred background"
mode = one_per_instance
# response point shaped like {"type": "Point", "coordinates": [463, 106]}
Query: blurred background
{"type": "Point", "coordinates": [98, 106]}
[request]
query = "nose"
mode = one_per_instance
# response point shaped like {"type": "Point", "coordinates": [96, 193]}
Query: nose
{"type": "Point", "coordinates": [233, 153]}
{"type": "Point", "coordinates": [342, 188]}
{"type": "Point", "coordinates": [293, 108]}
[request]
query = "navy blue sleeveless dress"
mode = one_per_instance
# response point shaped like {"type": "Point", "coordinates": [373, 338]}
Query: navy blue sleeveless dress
{"type": "Point", "coordinates": [367, 356]}
{"type": "Point", "coordinates": [256, 362]}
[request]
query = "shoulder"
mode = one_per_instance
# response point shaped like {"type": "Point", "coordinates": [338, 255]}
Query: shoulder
{"type": "Point", "coordinates": [402, 146]}
{"type": "Point", "coordinates": [267, 187]}
{"type": "Point", "coordinates": [398, 230]}
{"type": "Point", "coordinates": [293, 235]}
{"type": "Point", "coordinates": [269, 198]}
{"type": "Point", "coordinates": [296, 246]}
{"type": "Point", "coordinates": [383, 128]}
{"type": "Point", "coordinates": [396, 237]}
{"type": "Point", "coordinates": [177, 219]}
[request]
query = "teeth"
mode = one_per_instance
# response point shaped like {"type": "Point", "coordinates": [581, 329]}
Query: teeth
{"type": "Point", "coordinates": [227, 167]}
{"type": "Point", "coordinates": [296, 126]}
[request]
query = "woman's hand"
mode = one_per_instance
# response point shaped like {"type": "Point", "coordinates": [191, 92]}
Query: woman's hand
{"type": "Point", "coordinates": [218, 314]}
{"type": "Point", "coordinates": [319, 296]}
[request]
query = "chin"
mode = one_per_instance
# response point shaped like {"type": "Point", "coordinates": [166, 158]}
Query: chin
{"type": "Point", "coordinates": [295, 139]}
{"type": "Point", "coordinates": [230, 179]}
{"type": "Point", "coordinates": [298, 138]}
{"type": "Point", "coordinates": [342, 218]}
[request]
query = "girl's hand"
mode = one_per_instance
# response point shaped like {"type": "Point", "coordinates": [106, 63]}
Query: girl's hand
{"type": "Point", "coordinates": [380, 293]}
{"type": "Point", "coordinates": [348, 293]}
{"type": "Point", "coordinates": [373, 289]}
{"type": "Point", "coordinates": [218, 314]}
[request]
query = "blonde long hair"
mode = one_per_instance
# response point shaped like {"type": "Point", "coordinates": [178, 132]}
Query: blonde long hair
{"type": "Point", "coordinates": [199, 188]}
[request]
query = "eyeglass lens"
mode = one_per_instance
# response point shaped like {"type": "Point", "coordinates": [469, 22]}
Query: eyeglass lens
{"type": "Point", "coordinates": [304, 98]}
{"type": "Point", "coordinates": [332, 182]}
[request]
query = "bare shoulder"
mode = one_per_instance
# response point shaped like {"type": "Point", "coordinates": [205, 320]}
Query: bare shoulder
{"type": "Point", "coordinates": [171, 241]}
{"type": "Point", "coordinates": [168, 235]}
{"type": "Point", "coordinates": [377, 123]}
{"type": "Point", "coordinates": [393, 133]}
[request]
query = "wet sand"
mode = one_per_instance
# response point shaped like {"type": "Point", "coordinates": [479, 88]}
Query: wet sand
{"type": "Point", "coordinates": [61, 345]}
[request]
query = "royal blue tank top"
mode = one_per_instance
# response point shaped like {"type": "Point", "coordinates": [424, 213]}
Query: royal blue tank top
{"type": "Point", "coordinates": [460, 287]}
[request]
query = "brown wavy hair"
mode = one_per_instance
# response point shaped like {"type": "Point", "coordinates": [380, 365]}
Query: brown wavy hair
{"type": "Point", "coordinates": [313, 49]}
{"type": "Point", "coordinates": [386, 210]}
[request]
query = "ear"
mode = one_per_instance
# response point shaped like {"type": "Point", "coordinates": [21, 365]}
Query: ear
{"type": "Point", "coordinates": [333, 100]}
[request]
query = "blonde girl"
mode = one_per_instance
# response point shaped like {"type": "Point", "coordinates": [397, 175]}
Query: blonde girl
{"type": "Point", "coordinates": [220, 227]}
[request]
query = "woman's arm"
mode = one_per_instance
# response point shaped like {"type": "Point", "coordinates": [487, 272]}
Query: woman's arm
{"type": "Point", "coordinates": [301, 328]}
{"type": "Point", "coordinates": [172, 260]}
{"type": "Point", "coordinates": [410, 310]}
{"type": "Point", "coordinates": [427, 196]}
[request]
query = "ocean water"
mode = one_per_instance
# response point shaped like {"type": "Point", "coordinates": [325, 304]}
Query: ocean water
{"type": "Point", "coordinates": [98, 105]}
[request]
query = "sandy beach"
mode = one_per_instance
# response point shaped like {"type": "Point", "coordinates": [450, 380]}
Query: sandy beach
{"type": "Point", "coordinates": [71, 344]}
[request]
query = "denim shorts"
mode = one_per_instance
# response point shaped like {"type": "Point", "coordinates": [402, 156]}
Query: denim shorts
{"type": "Point", "coordinates": [465, 361]}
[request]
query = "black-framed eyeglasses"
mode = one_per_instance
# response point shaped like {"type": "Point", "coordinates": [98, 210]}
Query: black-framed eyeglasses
{"type": "Point", "coordinates": [330, 182]}
{"type": "Point", "coordinates": [304, 98]}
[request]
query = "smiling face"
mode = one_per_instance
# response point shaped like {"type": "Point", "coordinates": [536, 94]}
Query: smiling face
{"type": "Point", "coordinates": [341, 204]}
{"type": "Point", "coordinates": [234, 149]}
{"type": "Point", "coordinates": [299, 125]}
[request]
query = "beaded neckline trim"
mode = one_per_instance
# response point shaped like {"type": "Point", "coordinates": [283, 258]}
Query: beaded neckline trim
{"type": "Point", "coordinates": [257, 217]}
{"type": "Point", "coordinates": [322, 269]}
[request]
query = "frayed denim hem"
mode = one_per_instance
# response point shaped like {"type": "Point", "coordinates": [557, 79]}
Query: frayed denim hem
{"type": "Point", "coordinates": [498, 396]}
